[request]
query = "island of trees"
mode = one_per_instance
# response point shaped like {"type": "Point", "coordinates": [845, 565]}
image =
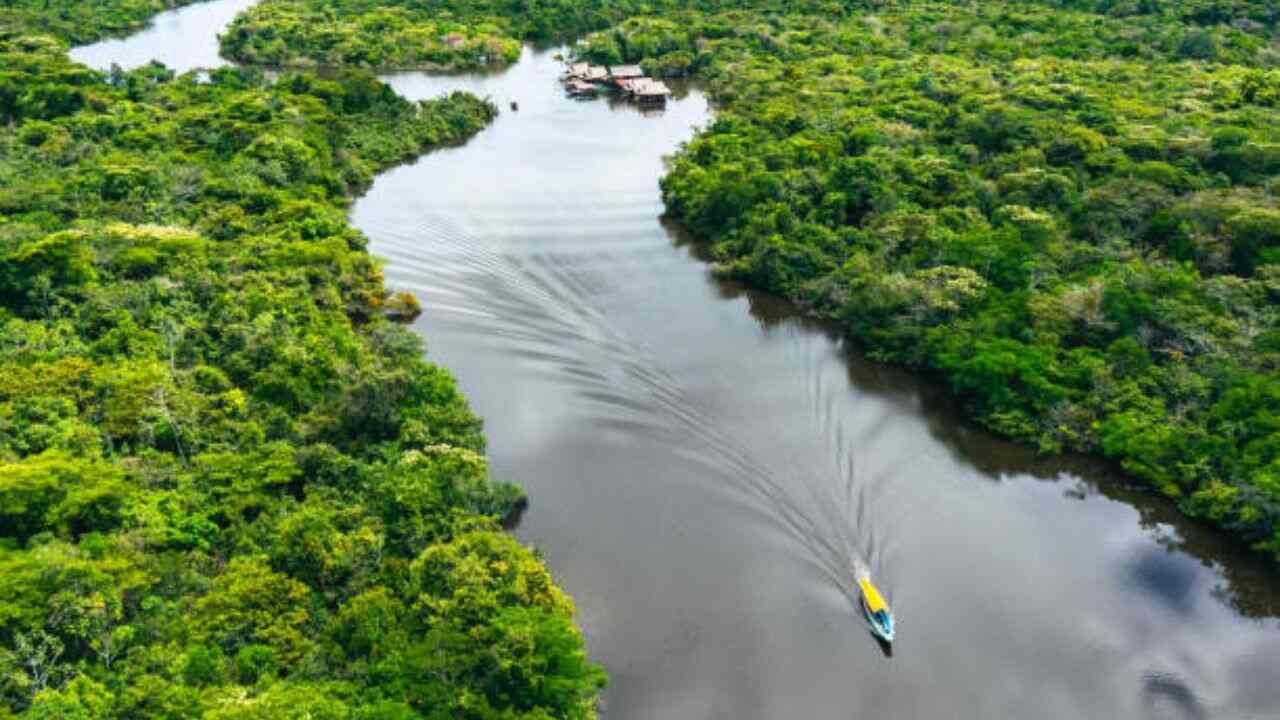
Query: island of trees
{"type": "Point", "coordinates": [229, 486]}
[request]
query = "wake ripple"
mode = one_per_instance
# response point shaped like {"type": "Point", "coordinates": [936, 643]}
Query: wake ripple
{"type": "Point", "coordinates": [541, 307]}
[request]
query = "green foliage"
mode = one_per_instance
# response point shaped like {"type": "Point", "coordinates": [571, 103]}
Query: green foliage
{"type": "Point", "coordinates": [55, 492]}
{"type": "Point", "coordinates": [362, 33]}
{"type": "Point", "coordinates": [530, 656]}
{"type": "Point", "coordinates": [220, 462]}
{"type": "Point", "coordinates": [457, 33]}
{"type": "Point", "coordinates": [1061, 209]}
{"type": "Point", "coordinates": [80, 22]}
{"type": "Point", "coordinates": [540, 664]}
{"type": "Point", "coordinates": [203, 665]}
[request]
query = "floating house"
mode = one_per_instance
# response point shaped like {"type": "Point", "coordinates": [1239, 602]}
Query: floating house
{"type": "Point", "coordinates": [586, 73]}
{"type": "Point", "coordinates": [583, 80]}
{"type": "Point", "coordinates": [647, 91]}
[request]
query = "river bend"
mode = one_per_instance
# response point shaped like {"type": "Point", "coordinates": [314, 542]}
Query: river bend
{"type": "Point", "coordinates": [706, 469]}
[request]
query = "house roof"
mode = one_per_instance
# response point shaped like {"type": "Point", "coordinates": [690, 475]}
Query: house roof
{"type": "Point", "coordinates": [646, 86]}
{"type": "Point", "coordinates": [626, 71]}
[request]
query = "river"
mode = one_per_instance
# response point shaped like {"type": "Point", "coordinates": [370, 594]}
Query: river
{"type": "Point", "coordinates": [706, 469]}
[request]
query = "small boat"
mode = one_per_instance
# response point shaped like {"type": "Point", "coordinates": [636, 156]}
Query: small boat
{"type": "Point", "coordinates": [879, 616]}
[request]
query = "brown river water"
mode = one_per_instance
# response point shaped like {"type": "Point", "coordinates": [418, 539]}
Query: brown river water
{"type": "Point", "coordinates": [707, 470]}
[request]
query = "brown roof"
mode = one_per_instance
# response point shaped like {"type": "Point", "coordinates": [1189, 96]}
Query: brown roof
{"type": "Point", "coordinates": [648, 87]}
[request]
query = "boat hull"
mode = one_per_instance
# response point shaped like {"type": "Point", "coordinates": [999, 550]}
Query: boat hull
{"type": "Point", "coordinates": [882, 629]}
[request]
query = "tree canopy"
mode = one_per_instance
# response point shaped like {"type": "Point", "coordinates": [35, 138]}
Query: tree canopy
{"type": "Point", "coordinates": [230, 487]}
{"type": "Point", "coordinates": [1069, 217]}
{"type": "Point", "coordinates": [77, 21]}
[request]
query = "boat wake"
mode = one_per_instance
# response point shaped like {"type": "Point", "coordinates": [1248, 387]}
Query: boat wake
{"type": "Point", "coordinates": [530, 274]}
{"type": "Point", "coordinates": [543, 309]}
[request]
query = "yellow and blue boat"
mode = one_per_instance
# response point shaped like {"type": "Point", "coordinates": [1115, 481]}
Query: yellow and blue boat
{"type": "Point", "coordinates": [879, 616]}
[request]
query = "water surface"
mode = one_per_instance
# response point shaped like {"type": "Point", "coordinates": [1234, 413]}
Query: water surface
{"type": "Point", "coordinates": [183, 39]}
{"type": "Point", "coordinates": [706, 469]}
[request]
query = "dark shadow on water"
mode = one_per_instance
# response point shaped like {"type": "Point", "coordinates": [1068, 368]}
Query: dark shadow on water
{"type": "Point", "coordinates": [512, 519]}
{"type": "Point", "coordinates": [885, 647]}
{"type": "Point", "coordinates": [1252, 586]}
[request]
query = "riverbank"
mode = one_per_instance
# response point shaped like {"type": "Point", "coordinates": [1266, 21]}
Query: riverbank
{"type": "Point", "coordinates": [703, 465]}
{"type": "Point", "coordinates": [231, 488]}
{"type": "Point", "coordinates": [1052, 228]}
{"type": "Point", "coordinates": [1060, 267]}
{"type": "Point", "coordinates": [80, 22]}
{"type": "Point", "coordinates": [290, 33]}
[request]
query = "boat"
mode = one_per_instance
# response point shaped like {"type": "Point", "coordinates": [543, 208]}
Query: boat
{"type": "Point", "coordinates": [879, 616]}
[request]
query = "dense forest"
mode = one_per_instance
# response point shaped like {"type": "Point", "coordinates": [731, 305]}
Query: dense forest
{"type": "Point", "coordinates": [230, 487]}
{"type": "Point", "coordinates": [1065, 210]}
{"type": "Point", "coordinates": [363, 33]}
{"type": "Point", "coordinates": [1071, 218]}
{"type": "Point", "coordinates": [453, 34]}
{"type": "Point", "coordinates": [469, 33]}
{"type": "Point", "coordinates": [78, 21]}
